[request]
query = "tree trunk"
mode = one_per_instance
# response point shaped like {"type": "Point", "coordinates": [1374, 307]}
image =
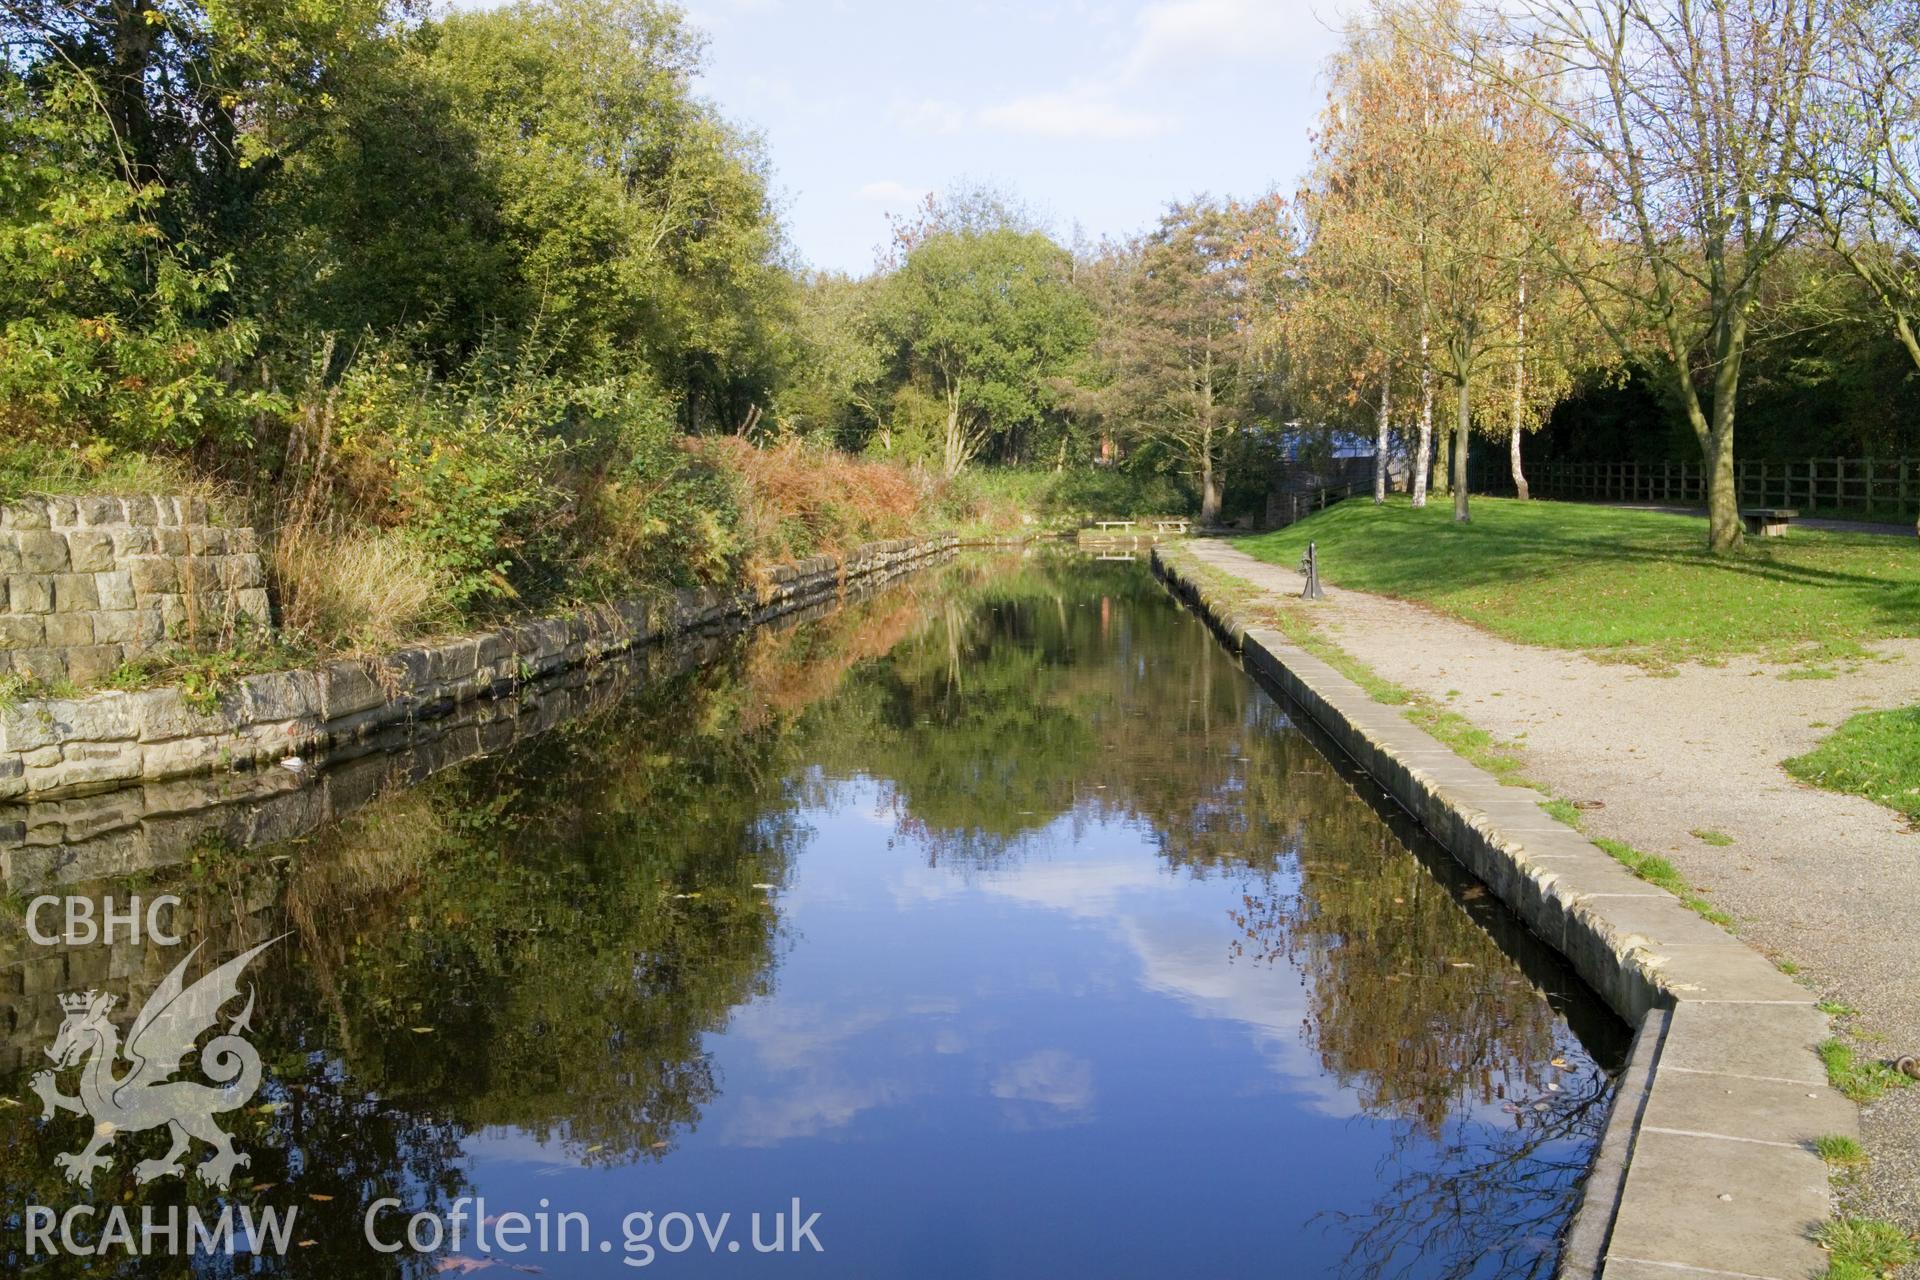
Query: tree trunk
{"type": "Point", "coordinates": [1423, 457]}
{"type": "Point", "coordinates": [1716, 437]}
{"type": "Point", "coordinates": [1519, 395]}
{"type": "Point", "coordinates": [1442, 462]}
{"type": "Point", "coordinates": [1723, 498]}
{"type": "Point", "coordinates": [1380, 431]}
{"type": "Point", "coordinates": [1462, 426]}
{"type": "Point", "coordinates": [1209, 489]}
{"type": "Point", "coordinates": [955, 452]}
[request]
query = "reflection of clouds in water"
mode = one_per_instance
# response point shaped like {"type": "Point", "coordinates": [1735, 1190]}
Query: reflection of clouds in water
{"type": "Point", "coordinates": [1051, 1077]}
{"type": "Point", "coordinates": [1182, 950]}
{"type": "Point", "coordinates": [808, 1046]}
{"type": "Point", "coordinates": [794, 1037]}
{"type": "Point", "coordinates": [516, 1146]}
{"type": "Point", "coordinates": [820, 1105]}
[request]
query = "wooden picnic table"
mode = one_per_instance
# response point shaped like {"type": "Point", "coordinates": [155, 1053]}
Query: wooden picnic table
{"type": "Point", "coordinates": [1178, 525]}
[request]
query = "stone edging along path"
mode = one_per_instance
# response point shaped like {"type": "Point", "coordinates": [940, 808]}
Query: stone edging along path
{"type": "Point", "coordinates": [1707, 1166]}
{"type": "Point", "coordinates": [50, 748]}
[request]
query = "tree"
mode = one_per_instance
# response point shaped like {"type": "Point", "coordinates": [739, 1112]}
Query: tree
{"type": "Point", "coordinates": [1189, 366]}
{"type": "Point", "coordinates": [1350, 328]}
{"type": "Point", "coordinates": [983, 319]}
{"type": "Point", "coordinates": [1431, 200]}
{"type": "Point", "coordinates": [1374, 224]}
{"type": "Point", "coordinates": [1686, 121]}
{"type": "Point", "coordinates": [1861, 160]}
{"type": "Point", "coordinates": [838, 383]}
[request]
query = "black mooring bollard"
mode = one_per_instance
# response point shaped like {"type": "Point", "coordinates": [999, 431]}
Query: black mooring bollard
{"type": "Point", "coordinates": [1310, 565]}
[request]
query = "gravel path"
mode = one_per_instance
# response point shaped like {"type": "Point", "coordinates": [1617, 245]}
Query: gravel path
{"type": "Point", "coordinates": [1827, 881]}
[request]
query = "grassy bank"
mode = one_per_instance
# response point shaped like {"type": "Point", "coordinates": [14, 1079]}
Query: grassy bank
{"type": "Point", "coordinates": [1875, 754]}
{"type": "Point", "coordinates": [1634, 585]}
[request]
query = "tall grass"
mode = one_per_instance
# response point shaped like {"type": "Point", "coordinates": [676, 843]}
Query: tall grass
{"type": "Point", "coordinates": [356, 590]}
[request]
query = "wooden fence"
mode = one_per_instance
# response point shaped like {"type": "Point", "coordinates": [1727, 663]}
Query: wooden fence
{"type": "Point", "coordinates": [1884, 486]}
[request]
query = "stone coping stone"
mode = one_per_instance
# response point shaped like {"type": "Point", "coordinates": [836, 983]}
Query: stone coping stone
{"type": "Point", "coordinates": [1707, 1165]}
{"type": "Point", "coordinates": [51, 748]}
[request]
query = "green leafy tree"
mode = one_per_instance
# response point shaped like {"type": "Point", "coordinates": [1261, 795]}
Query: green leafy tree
{"type": "Point", "coordinates": [982, 320]}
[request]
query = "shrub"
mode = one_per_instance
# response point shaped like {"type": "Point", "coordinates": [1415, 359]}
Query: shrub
{"type": "Point", "coordinates": [658, 513]}
{"type": "Point", "coordinates": [798, 499]}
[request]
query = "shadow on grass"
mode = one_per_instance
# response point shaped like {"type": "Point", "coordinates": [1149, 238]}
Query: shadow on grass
{"type": "Point", "coordinates": [1545, 556]}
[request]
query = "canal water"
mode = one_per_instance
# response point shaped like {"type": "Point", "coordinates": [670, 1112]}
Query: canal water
{"type": "Point", "coordinates": [998, 925]}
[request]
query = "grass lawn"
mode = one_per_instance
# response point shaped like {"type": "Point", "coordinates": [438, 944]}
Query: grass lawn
{"type": "Point", "coordinates": [1636, 585]}
{"type": "Point", "coordinates": [1875, 754]}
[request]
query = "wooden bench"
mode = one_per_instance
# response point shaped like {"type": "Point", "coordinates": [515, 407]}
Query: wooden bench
{"type": "Point", "coordinates": [1768, 522]}
{"type": "Point", "coordinates": [1174, 526]}
{"type": "Point", "coordinates": [1111, 524]}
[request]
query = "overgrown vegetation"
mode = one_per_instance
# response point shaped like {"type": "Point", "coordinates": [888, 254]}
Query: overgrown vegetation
{"type": "Point", "coordinates": [1840, 1150]}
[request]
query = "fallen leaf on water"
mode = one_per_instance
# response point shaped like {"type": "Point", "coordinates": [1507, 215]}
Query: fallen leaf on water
{"type": "Point", "coordinates": [315, 1195]}
{"type": "Point", "coordinates": [423, 1031]}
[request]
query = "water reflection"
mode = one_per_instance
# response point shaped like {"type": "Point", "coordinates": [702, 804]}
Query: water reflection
{"type": "Point", "coordinates": [1000, 918]}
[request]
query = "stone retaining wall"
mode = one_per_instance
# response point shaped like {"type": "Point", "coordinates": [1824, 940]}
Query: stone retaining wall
{"type": "Point", "coordinates": [86, 583]}
{"type": "Point", "coordinates": [1707, 1166]}
{"type": "Point", "coordinates": [150, 827]}
{"type": "Point", "coordinates": [59, 747]}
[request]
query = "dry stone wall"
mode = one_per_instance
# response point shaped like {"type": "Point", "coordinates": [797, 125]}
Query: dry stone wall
{"type": "Point", "coordinates": [86, 583]}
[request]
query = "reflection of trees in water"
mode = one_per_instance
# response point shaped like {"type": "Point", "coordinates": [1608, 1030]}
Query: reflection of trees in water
{"type": "Point", "coordinates": [1119, 708]}
{"type": "Point", "coordinates": [1410, 1004]}
{"type": "Point", "coordinates": [1035, 706]}
{"type": "Point", "coordinates": [539, 941]}
{"type": "Point", "coordinates": [1482, 1200]}
{"type": "Point", "coordinates": [542, 940]}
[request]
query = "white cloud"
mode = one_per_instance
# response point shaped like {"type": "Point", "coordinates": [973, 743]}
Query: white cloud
{"type": "Point", "coordinates": [888, 192]}
{"type": "Point", "coordinates": [1195, 34]}
{"type": "Point", "coordinates": [1075, 113]}
{"type": "Point", "coordinates": [930, 115]}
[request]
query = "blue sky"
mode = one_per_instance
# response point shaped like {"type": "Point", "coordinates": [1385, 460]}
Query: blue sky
{"type": "Point", "coordinates": [1096, 115]}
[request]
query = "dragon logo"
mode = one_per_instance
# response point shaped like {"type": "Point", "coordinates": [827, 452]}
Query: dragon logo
{"type": "Point", "coordinates": [146, 1096]}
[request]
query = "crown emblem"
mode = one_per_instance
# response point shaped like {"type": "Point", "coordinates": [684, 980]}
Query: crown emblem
{"type": "Point", "coordinates": [77, 1002]}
